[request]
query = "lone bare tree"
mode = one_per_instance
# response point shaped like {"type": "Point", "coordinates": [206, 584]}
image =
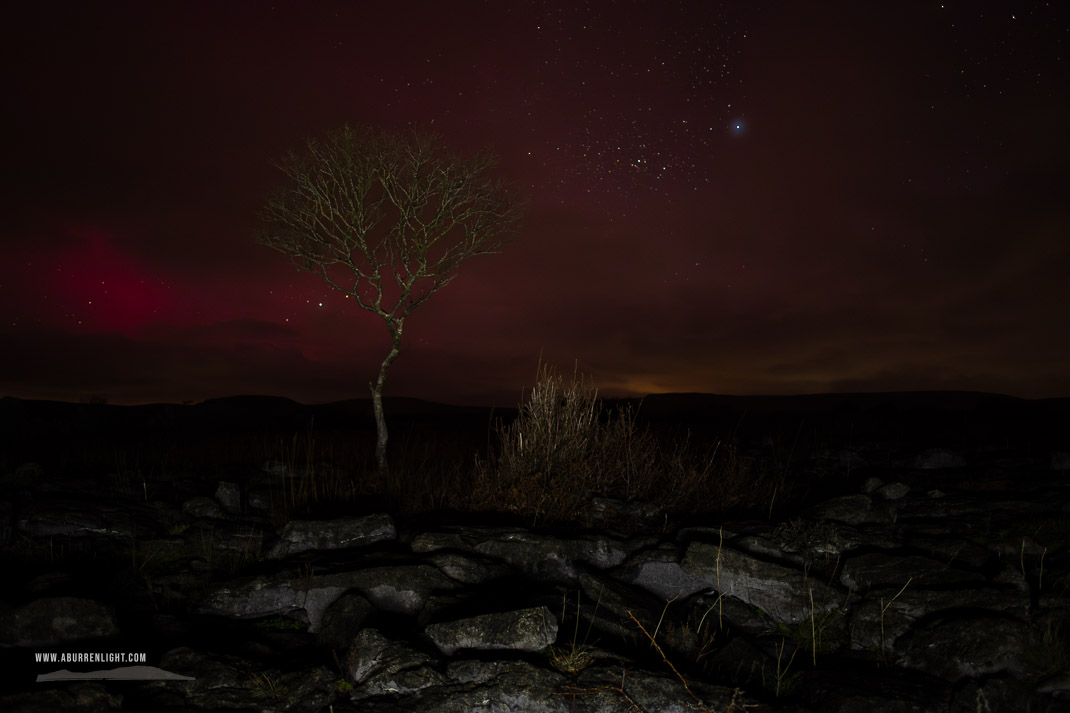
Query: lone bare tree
{"type": "Point", "coordinates": [387, 219]}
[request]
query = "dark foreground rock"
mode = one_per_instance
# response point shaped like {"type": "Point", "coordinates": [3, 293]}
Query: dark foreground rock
{"type": "Point", "coordinates": [895, 598]}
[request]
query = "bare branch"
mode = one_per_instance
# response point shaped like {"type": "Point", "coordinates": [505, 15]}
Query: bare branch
{"type": "Point", "coordinates": [371, 202]}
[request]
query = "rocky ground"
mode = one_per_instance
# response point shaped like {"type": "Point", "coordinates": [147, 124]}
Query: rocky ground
{"type": "Point", "coordinates": [937, 580]}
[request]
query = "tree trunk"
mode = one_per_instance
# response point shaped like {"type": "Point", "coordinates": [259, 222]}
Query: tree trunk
{"type": "Point", "coordinates": [380, 419]}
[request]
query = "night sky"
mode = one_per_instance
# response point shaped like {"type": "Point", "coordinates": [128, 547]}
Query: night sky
{"type": "Point", "coordinates": [730, 198]}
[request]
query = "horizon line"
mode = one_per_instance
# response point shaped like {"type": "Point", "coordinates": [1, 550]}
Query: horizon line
{"type": "Point", "coordinates": [89, 400]}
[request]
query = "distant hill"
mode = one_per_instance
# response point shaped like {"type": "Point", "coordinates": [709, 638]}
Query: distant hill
{"type": "Point", "coordinates": [32, 424]}
{"type": "Point", "coordinates": [674, 405]}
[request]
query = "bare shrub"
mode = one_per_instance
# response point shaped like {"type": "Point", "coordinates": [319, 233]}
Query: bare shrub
{"type": "Point", "coordinates": [558, 452]}
{"type": "Point", "coordinates": [555, 432]}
